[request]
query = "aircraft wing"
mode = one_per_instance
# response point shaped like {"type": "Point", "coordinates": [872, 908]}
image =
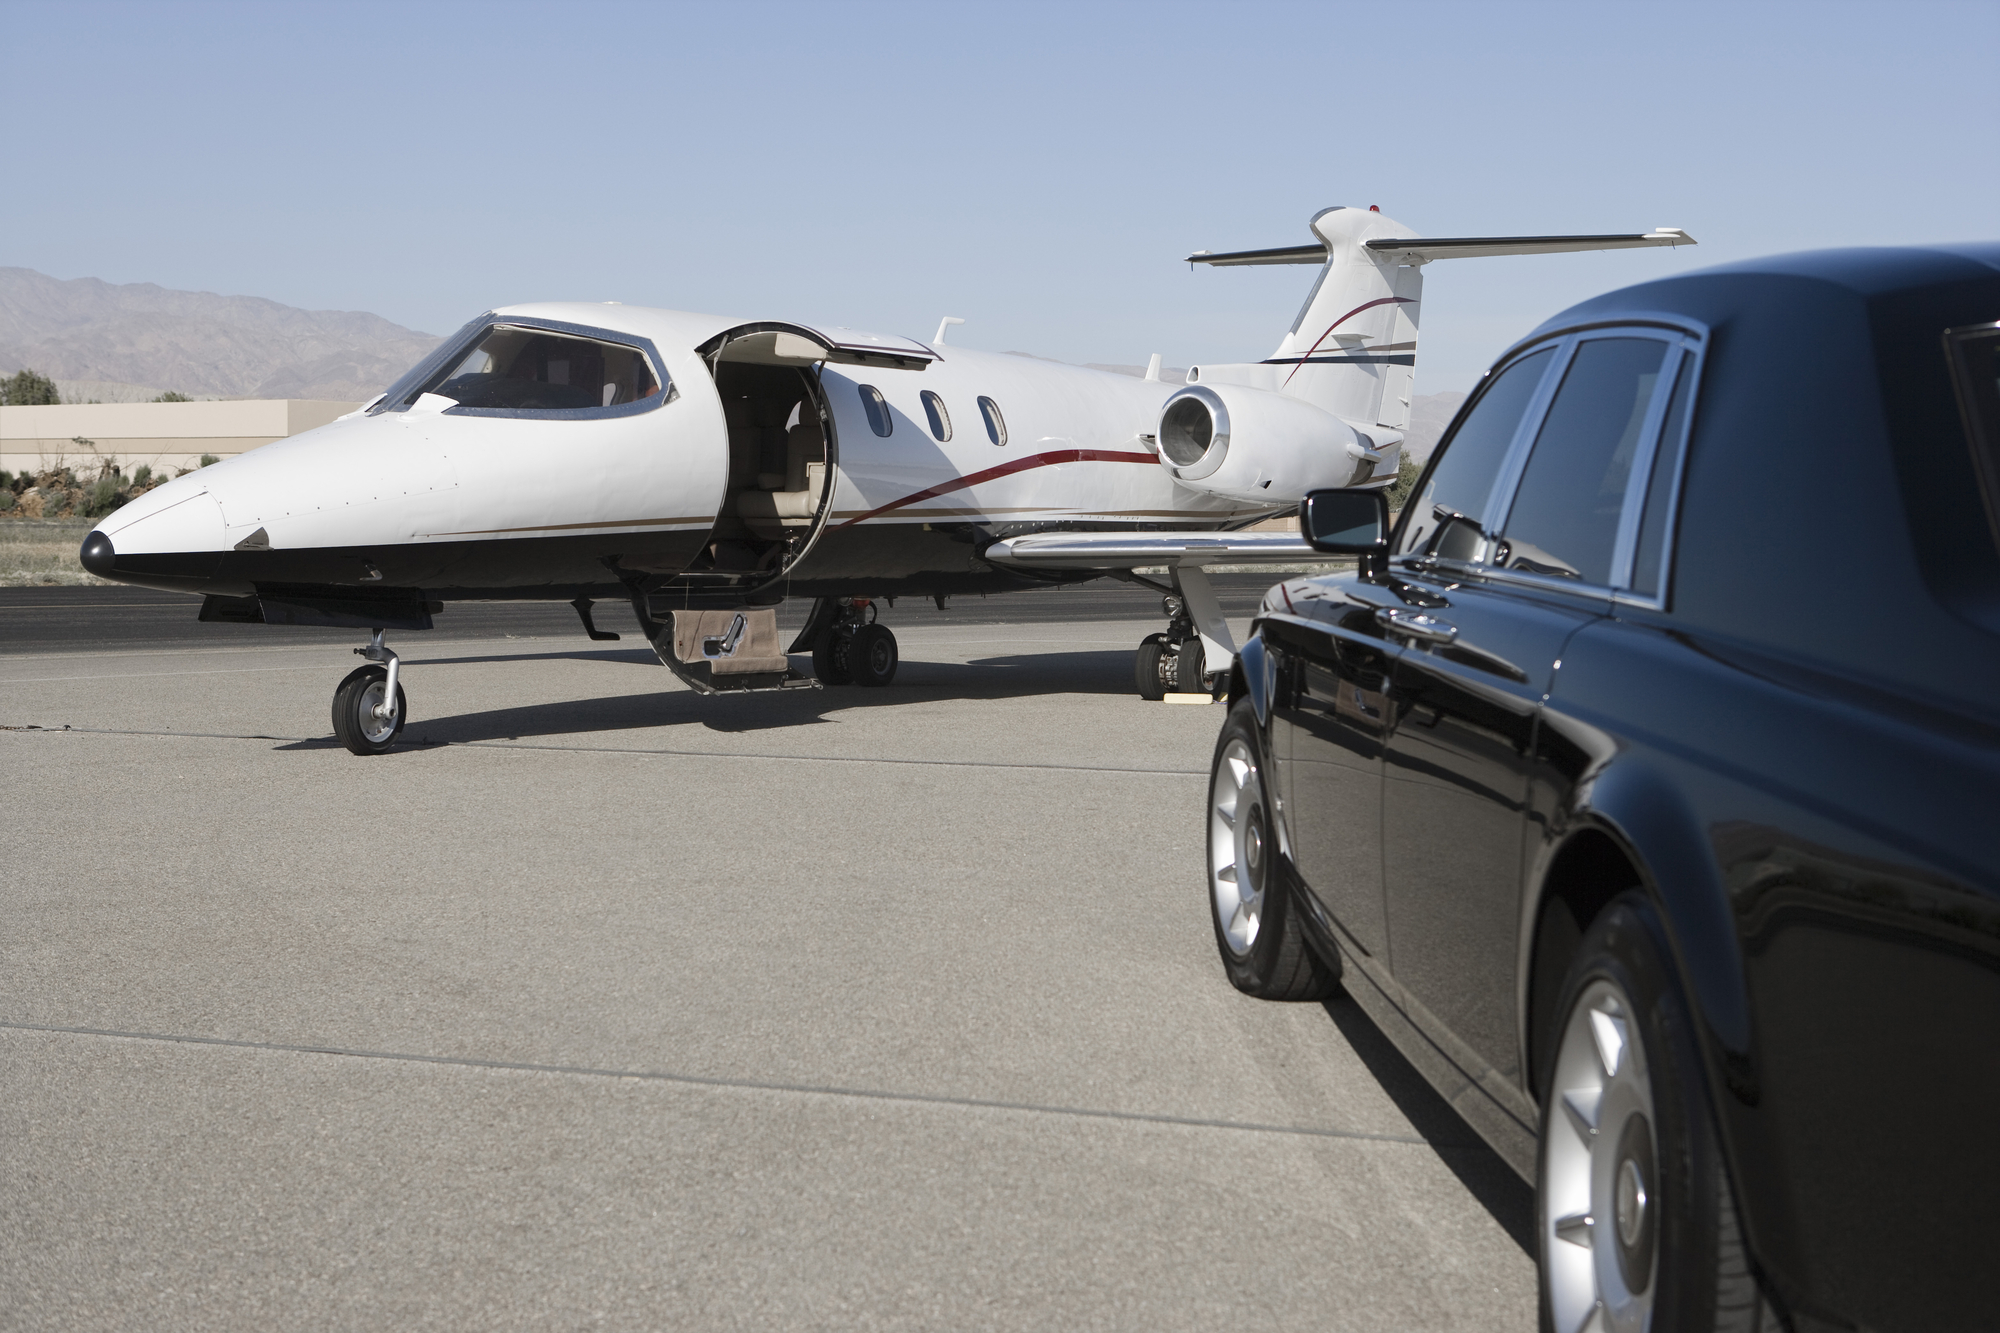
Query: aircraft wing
{"type": "Point", "coordinates": [1130, 550]}
{"type": "Point", "coordinates": [1406, 248]}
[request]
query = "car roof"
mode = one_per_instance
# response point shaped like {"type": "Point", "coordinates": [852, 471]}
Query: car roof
{"type": "Point", "coordinates": [1706, 294]}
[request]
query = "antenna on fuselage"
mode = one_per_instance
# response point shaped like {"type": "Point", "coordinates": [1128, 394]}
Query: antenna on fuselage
{"type": "Point", "coordinates": [944, 324]}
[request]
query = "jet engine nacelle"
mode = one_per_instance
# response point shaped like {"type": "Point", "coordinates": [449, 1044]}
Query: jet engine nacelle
{"type": "Point", "coordinates": [1252, 444]}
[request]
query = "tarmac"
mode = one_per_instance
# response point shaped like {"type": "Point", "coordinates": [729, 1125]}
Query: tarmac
{"type": "Point", "coordinates": [603, 1004]}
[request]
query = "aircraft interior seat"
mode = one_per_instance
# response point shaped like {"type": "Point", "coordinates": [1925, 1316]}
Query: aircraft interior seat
{"type": "Point", "coordinates": [789, 498]}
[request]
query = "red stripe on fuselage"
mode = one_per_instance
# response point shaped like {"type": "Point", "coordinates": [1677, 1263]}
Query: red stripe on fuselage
{"type": "Point", "coordinates": [1007, 469]}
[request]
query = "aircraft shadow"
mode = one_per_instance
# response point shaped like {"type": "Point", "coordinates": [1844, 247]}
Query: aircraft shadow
{"type": "Point", "coordinates": [1009, 677]}
{"type": "Point", "coordinates": [1484, 1173]}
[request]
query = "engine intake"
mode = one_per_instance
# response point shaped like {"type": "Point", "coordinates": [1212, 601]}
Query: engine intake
{"type": "Point", "coordinates": [1256, 445]}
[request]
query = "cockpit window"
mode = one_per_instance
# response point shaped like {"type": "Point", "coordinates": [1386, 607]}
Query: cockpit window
{"type": "Point", "coordinates": [517, 368]}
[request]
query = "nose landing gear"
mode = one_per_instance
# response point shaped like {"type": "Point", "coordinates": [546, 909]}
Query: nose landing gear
{"type": "Point", "coordinates": [368, 707]}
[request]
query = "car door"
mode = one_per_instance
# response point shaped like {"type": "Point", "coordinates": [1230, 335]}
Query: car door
{"type": "Point", "coordinates": [1496, 579]}
{"type": "Point", "coordinates": [1329, 723]}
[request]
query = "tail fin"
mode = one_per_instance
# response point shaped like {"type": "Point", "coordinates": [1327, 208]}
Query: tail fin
{"type": "Point", "coordinates": [1352, 349]}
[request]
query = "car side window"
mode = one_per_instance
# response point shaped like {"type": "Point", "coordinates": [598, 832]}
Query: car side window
{"type": "Point", "coordinates": [1649, 560]}
{"type": "Point", "coordinates": [1564, 519]}
{"type": "Point", "coordinates": [1446, 518]}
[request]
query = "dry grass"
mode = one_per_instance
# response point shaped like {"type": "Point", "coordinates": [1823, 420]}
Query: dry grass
{"type": "Point", "coordinates": [36, 552]}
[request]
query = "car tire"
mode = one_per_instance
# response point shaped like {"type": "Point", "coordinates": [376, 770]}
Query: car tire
{"type": "Point", "coordinates": [354, 722]}
{"type": "Point", "coordinates": [1633, 1206]}
{"type": "Point", "coordinates": [872, 657]}
{"type": "Point", "coordinates": [1257, 930]}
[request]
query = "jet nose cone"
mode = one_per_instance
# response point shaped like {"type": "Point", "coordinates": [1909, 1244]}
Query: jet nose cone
{"type": "Point", "coordinates": [97, 555]}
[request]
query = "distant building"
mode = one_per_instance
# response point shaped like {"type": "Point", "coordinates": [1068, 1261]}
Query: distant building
{"type": "Point", "coordinates": [166, 436]}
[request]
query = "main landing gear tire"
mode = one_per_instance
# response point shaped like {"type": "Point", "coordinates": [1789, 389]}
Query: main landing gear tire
{"type": "Point", "coordinates": [354, 718]}
{"type": "Point", "coordinates": [830, 659]}
{"type": "Point", "coordinates": [872, 656]}
{"type": "Point", "coordinates": [1634, 1215]}
{"type": "Point", "coordinates": [1190, 671]}
{"type": "Point", "coordinates": [1257, 930]}
{"type": "Point", "coordinates": [1147, 668]}
{"type": "Point", "coordinates": [865, 655]}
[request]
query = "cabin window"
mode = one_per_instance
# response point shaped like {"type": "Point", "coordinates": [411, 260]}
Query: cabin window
{"type": "Point", "coordinates": [877, 409]}
{"type": "Point", "coordinates": [939, 418]}
{"type": "Point", "coordinates": [520, 369]}
{"type": "Point", "coordinates": [996, 425]}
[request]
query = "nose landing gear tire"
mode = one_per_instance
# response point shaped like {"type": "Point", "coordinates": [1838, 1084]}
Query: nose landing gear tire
{"type": "Point", "coordinates": [355, 721]}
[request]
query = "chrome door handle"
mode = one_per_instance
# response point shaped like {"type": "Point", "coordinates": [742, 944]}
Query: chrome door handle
{"type": "Point", "coordinates": [1417, 625]}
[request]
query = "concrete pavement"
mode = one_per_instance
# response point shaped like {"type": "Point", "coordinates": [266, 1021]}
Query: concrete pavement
{"type": "Point", "coordinates": [602, 1004]}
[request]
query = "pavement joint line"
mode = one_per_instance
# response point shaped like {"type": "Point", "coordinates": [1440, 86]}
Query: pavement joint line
{"type": "Point", "coordinates": [331, 743]}
{"type": "Point", "coordinates": [739, 1084]}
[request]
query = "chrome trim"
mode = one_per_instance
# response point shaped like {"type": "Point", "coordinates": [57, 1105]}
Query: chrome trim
{"type": "Point", "coordinates": [1624, 548]}
{"type": "Point", "coordinates": [1212, 457]}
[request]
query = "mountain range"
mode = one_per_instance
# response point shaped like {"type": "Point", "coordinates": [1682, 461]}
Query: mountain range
{"type": "Point", "coordinates": [132, 341]}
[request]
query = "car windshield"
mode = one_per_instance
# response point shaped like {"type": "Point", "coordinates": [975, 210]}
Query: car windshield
{"type": "Point", "coordinates": [533, 370]}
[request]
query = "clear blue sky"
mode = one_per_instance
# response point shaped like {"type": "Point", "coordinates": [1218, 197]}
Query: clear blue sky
{"type": "Point", "coordinates": [1037, 169]}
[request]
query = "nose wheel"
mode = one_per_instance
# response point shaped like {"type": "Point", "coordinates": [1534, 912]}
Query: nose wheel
{"type": "Point", "coordinates": [368, 707]}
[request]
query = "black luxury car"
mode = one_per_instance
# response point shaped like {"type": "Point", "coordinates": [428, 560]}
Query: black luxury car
{"type": "Point", "coordinates": [1643, 784]}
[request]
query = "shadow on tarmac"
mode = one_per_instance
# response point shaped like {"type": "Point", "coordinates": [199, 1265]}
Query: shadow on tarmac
{"type": "Point", "coordinates": [991, 678]}
{"type": "Point", "coordinates": [1485, 1175]}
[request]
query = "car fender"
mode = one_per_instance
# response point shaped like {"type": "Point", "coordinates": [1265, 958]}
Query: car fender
{"type": "Point", "coordinates": [1644, 812]}
{"type": "Point", "coordinates": [1254, 675]}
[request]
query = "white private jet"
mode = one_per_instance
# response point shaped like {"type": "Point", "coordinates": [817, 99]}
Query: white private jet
{"type": "Point", "coordinates": [706, 468]}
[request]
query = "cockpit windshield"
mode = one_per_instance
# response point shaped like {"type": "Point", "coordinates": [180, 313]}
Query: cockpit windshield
{"type": "Point", "coordinates": [523, 369]}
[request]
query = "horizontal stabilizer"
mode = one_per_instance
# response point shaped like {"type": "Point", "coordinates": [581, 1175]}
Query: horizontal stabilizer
{"type": "Point", "coordinates": [1405, 249]}
{"type": "Point", "coordinates": [1133, 550]}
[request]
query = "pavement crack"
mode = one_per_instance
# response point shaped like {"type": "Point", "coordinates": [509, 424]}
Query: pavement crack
{"type": "Point", "coordinates": [742, 1084]}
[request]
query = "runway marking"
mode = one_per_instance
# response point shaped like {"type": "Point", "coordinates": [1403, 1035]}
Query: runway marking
{"type": "Point", "coordinates": [418, 747]}
{"type": "Point", "coordinates": [743, 1084]}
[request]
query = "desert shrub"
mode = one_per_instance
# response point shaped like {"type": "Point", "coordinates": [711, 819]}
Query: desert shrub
{"type": "Point", "coordinates": [171, 397]}
{"type": "Point", "coordinates": [144, 476]}
{"type": "Point", "coordinates": [1406, 480]}
{"type": "Point", "coordinates": [102, 498]}
{"type": "Point", "coordinates": [6, 499]}
{"type": "Point", "coordinates": [28, 388]}
{"type": "Point", "coordinates": [209, 459]}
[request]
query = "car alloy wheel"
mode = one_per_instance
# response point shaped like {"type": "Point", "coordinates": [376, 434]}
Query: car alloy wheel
{"type": "Point", "coordinates": [1600, 1182]}
{"type": "Point", "coordinates": [1237, 855]}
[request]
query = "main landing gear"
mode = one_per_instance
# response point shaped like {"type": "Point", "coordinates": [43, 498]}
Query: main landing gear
{"type": "Point", "coordinates": [1196, 646]}
{"type": "Point", "coordinates": [1166, 660]}
{"type": "Point", "coordinates": [369, 708]}
{"type": "Point", "coordinates": [848, 647]}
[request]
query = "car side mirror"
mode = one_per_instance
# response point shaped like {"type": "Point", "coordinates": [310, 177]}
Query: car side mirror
{"type": "Point", "coordinates": [1346, 523]}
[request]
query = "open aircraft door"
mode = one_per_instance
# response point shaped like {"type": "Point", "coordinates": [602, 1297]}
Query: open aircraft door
{"type": "Point", "coordinates": [784, 451]}
{"type": "Point", "coordinates": [713, 624]}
